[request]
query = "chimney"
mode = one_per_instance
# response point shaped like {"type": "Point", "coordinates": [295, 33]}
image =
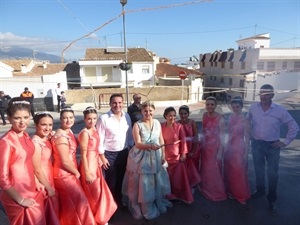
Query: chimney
{"type": "Point", "coordinates": [23, 68]}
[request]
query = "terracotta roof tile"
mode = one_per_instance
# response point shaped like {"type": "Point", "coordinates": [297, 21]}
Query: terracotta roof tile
{"type": "Point", "coordinates": [163, 69]}
{"type": "Point", "coordinates": [133, 55]}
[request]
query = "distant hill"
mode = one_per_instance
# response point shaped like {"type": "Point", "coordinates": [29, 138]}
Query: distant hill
{"type": "Point", "coordinates": [27, 53]}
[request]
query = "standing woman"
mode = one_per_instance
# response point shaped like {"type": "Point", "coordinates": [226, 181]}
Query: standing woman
{"type": "Point", "coordinates": [236, 154]}
{"type": "Point", "coordinates": [42, 163]}
{"type": "Point", "coordinates": [22, 202]}
{"type": "Point", "coordinates": [74, 206]}
{"type": "Point", "coordinates": [193, 156]}
{"type": "Point", "coordinates": [175, 151]}
{"type": "Point", "coordinates": [94, 185]}
{"type": "Point", "coordinates": [213, 129]}
{"type": "Point", "coordinates": [146, 182]}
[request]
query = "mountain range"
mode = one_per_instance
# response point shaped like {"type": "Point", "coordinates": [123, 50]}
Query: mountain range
{"type": "Point", "coordinates": [27, 53]}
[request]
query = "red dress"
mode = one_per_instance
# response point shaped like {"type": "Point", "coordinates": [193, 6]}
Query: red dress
{"type": "Point", "coordinates": [235, 165]}
{"type": "Point", "coordinates": [51, 203]}
{"type": "Point", "coordinates": [74, 206]}
{"type": "Point", "coordinates": [98, 194]}
{"type": "Point", "coordinates": [212, 186]}
{"type": "Point", "coordinates": [192, 162]}
{"type": "Point", "coordinates": [16, 170]}
{"type": "Point", "coordinates": [180, 185]}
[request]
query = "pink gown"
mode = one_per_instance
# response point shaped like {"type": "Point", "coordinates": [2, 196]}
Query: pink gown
{"type": "Point", "coordinates": [16, 170]}
{"type": "Point", "coordinates": [235, 166]}
{"type": "Point", "coordinates": [212, 186]}
{"type": "Point", "coordinates": [98, 194]}
{"type": "Point", "coordinates": [192, 162]}
{"type": "Point", "coordinates": [180, 185]}
{"type": "Point", "coordinates": [74, 206]}
{"type": "Point", "coordinates": [51, 203]}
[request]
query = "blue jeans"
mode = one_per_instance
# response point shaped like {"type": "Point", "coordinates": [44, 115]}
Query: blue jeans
{"type": "Point", "coordinates": [263, 152]}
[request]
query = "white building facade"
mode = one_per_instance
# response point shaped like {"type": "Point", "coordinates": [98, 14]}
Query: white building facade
{"type": "Point", "coordinates": [242, 72]}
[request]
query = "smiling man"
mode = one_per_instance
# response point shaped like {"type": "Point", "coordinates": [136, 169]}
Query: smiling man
{"type": "Point", "coordinates": [266, 118]}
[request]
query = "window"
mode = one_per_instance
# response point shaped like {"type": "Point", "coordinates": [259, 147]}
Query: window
{"type": "Point", "coordinates": [222, 80]}
{"type": "Point", "coordinates": [270, 66]}
{"type": "Point", "coordinates": [230, 81]}
{"type": "Point", "coordinates": [243, 65]}
{"type": "Point", "coordinates": [222, 64]}
{"type": "Point", "coordinates": [211, 64]}
{"type": "Point", "coordinates": [260, 66]}
{"type": "Point", "coordinates": [216, 64]}
{"type": "Point", "coordinates": [145, 69]}
{"type": "Point", "coordinates": [242, 83]}
{"type": "Point", "coordinates": [215, 78]}
{"type": "Point", "coordinates": [231, 65]}
{"type": "Point", "coordinates": [211, 77]}
{"type": "Point", "coordinates": [297, 65]}
{"type": "Point", "coordinates": [284, 65]}
{"type": "Point", "coordinates": [203, 64]}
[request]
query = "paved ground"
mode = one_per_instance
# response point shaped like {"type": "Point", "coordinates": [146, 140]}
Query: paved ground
{"type": "Point", "coordinates": [227, 212]}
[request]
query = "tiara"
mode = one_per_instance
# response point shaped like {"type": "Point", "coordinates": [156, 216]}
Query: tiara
{"type": "Point", "coordinates": [66, 109]}
{"type": "Point", "coordinates": [89, 109]}
{"type": "Point", "coordinates": [43, 113]}
{"type": "Point", "coordinates": [21, 102]}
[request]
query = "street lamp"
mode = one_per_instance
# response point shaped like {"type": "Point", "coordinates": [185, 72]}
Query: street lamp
{"type": "Point", "coordinates": [123, 3]}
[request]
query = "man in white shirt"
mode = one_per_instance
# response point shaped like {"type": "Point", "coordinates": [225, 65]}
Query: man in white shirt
{"type": "Point", "coordinates": [115, 131]}
{"type": "Point", "coordinates": [266, 119]}
{"type": "Point", "coordinates": [58, 91]}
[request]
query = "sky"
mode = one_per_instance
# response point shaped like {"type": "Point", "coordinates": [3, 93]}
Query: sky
{"type": "Point", "coordinates": [174, 29]}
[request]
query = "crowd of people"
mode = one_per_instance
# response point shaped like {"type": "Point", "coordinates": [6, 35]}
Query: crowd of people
{"type": "Point", "coordinates": [132, 160]}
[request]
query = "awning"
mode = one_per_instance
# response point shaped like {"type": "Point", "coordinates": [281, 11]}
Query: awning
{"type": "Point", "coordinates": [243, 57]}
{"type": "Point", "coordinates": [223, 57]}
{"type": "Point", "coordinates": [231, 57]}
{"type": "Point", "coordinates": [203, 58]}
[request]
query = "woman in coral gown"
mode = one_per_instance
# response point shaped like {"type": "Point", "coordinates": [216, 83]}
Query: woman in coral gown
{"type": "Point", "coordinates": [42, 163]}
{"type": "Point", "coordinates": [236, 154]}
{"type": "Point", "coordinates": [94, 185]}
{"type": "Point", "coordinates": [146, 182]}
{"type": "Point", "coordinates": [193, 156]}
{"type": "Point", "coordinates": [19, 196]}
{"type": "Point", "coordinates": [211, 171]}
{"type": "Point", "coordinates": [176, 151]}
{"type": "Point", "coordinates": [74, 206]}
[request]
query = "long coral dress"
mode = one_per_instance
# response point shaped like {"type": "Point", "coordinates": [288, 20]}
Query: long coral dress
{"type": "Point", "coordinates": [192, 162]}
{"type": "Point", "coordinates": [235, 165]}
{"type": "Point", "coordinates": [74, 206]}
{"type": "Point", "coordinates": [51, 203]}
{"type": "Point", "coordinates": [98, 194]}
{"type": "Point", "coordinates": [146, 182]}
{"type": "Point", "coordinates": [212, 186]}
{"type": "Point", "coordinates": [16, 170]}
{"type": "Point", "coordinates": [180, 185]}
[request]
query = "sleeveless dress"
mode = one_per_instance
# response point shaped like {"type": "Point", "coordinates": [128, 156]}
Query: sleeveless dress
{"type": "Point", "coordinates": [74, 206]}
{"type": "Point", "coordinates": [180, 185]}
{"type": "Point", "coordinates": [51, 203]}
{"type": "Point", "coordinates": [146, 182]}
{"type": "Point", "coordinates": [192, 163]}
{"type": "Point", "coordinates": [16, 170]}
{"type": "Point", "coordinates": [212, 186]}
{"type": "Point", "coordinates": [235, 167]}
{"type": "Point", "coordinates": [98, 194]}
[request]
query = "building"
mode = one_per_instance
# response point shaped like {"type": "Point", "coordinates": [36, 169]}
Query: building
{"type": "Point", "coordinates": [243, 71]}
{"type": "Point", "coordinates": [101, 67]}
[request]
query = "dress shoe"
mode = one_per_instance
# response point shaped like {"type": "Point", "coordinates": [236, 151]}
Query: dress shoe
{"type": "Point", "coordinates": [257, 194]}
{"type": "Point", "coordinates": [272, 205]}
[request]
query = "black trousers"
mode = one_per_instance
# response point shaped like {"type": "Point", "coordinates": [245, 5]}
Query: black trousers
{"type": "Point", "coordinates": [2, 115]}
{"type": "Point", "coordinates": [115, 173]}
{"type": "Point", "coordinates": [58, 103]}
